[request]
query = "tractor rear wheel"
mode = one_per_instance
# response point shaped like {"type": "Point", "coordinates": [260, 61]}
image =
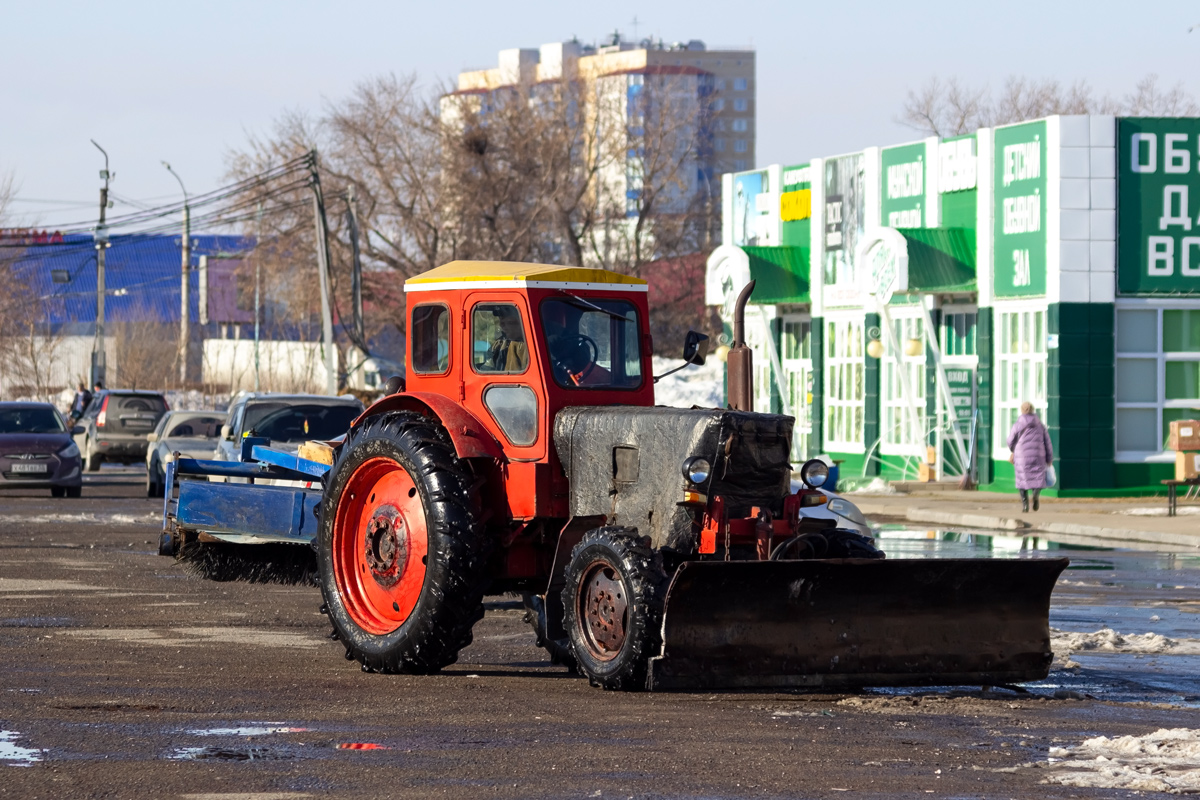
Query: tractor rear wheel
{"type": "Point", "coordinates": [401, 551]}
{"type": "Point", "coordinates": [613, 604]}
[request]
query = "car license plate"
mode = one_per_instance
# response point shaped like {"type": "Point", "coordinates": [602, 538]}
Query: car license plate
{"type": "Point", "coordinates": [29, 468]}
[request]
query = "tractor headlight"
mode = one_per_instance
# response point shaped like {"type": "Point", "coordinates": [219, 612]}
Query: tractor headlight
{"type": "Point", "coordinates": [697, 469]}
{"type": "Point", "coordinates": [845, 508]}
{"type": "Point", "coordinates": [70, 451]}
{"type": "Point", "coordinates": [815, 473]}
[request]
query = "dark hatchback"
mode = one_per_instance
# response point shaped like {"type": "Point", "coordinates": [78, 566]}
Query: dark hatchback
{"type": "Point", "coordinates": [36, 450]}
{"type": "Point", "coordinates": [115, 424]}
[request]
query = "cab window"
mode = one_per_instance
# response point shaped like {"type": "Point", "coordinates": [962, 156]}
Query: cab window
{"type": "Point", "coordinates": [593, 343]}
{"type": "Point", "coordinates": [498, 345]}
{"type": "Point", "coordinates": [430, 333]}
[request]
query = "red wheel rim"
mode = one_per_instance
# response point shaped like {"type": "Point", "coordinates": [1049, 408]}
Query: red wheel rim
{"type": "Point", "coordinates": [602, 607]}
{"type": "Point", "coordinates": [379, 545]}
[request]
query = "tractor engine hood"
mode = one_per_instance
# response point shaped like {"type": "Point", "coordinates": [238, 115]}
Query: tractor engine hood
{"type": "Point", "coordinates": [626, 463]}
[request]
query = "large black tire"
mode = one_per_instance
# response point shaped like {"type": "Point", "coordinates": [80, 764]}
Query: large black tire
{"type": "Point", "coordinates": [58, 491]}
{"type": "Point", "coordinates": [844, 543]}
{"type": "Point", "coordinates": [613, 606]}
{"type": "Point", "coordinates": [450, 601]}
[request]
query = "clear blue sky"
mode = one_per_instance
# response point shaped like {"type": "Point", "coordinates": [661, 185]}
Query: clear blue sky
{"type": "Point", "coordinates": [186, 82]}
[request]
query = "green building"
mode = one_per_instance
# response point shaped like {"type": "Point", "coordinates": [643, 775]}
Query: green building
{"type": "Point", "coordinates": [915, 295]}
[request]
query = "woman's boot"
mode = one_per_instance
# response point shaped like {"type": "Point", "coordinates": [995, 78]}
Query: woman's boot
{"type": "Point", "coordinates": [1036, 493]}
{"type": "Point", "coordinates": [1025, 501]}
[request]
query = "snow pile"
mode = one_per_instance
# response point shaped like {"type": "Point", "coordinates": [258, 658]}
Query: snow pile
{"type": "Point", "coordinates": [874, 486]}
{"type": "Point", "coordinates": [691, 386]}
{"type": "Point", "coordinates": [1106, 640]}
{"type": "Point", "coordinates": [1160, 511]}
{"type": "Point", "coordinates": [1167, 760]}
{"type": "Point", "coordinates": [193, 400]}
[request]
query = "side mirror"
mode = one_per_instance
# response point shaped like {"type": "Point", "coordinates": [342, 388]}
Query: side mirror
{"type": "Point", "coordinates": [151, 437]}
{"type": "Point", "coordinates": [78, 430]}
{"type": "Point", "coordinates": [393, 385]}
{"type": "Point", "coordinates": [227, 432]}
{"type": "Point", "coordinates": [695, 348]}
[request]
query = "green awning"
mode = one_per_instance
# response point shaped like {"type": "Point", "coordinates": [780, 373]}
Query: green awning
{"type": "Point", "coordinates": [781, 275]}
{"type": "Point", "coordinates": [940, 260]}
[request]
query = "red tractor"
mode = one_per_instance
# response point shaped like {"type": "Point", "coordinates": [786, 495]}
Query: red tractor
{"type": "Point", "coordinates": [656, 547]}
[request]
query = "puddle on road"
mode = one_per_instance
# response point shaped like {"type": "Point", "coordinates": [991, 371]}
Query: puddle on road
{"type": "Point", "coordinates": [14, 754]}
{"type": "Point", "coordinates": [1126, 622]}
{"type": "Point", "coordinates": [215, 753]}
{"type": "Point", "coordinates": [265, 729]}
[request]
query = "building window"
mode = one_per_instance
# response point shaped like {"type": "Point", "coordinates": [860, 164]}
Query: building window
{"type": "Point", "coordinates": [1021, 369]}
{"type": "Point", "coordinates": [844, 371]}
{"type": "Point", "coordinates": [719, 145]}
{"type": "Point", "coordinates": [1158, 376]}
{"type": "Point", "coordinates": [739, 145]}
{"type": "Point", "coordinates": [720, 84]}
{"type": "Point", "coordinates": [904, 413]}
{"type": "Point", "coordinates": [796, 358]}
{"type": "Point", "coordinates": [739, 84]}
{"type": "Point", "coordinates": [739, 164]}
{"type": "Point", "coordinates": [740, 125]}
{"type": "Point", "coordinates": [740, 104]}
{"type": "Point", "coordinates": [958, 333]}
{"type": "Point", "coordinates": [718, 104]}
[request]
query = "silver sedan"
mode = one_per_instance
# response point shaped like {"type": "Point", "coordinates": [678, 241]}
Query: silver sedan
{"type": "Point", "coordinates": [190, 434]}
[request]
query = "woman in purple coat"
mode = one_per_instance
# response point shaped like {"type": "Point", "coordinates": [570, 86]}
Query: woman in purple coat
{"type": "Point", "coordinates": [1029, 443]}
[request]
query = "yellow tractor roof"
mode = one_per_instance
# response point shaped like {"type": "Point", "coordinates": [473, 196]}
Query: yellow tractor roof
{"type": "Point", "coordinates": [511, 274]}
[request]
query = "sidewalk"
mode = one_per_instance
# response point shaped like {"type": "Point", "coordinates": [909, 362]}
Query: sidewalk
{"type": "Point", "coordinates": [1080, 521]}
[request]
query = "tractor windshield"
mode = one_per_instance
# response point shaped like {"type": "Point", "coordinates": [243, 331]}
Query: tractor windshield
{"type": "Point", "coordinates": [593, 343]}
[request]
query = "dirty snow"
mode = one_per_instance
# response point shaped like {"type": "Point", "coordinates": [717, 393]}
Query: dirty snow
{"type": "Point", "coordinates": [1160, 511]}
{"type": "Point", "coordinates": [15, 754]}
{"type": "Point", "coordinates": [189, 637]}
{"type": "Point", "coordinates": [875, 486]}
{"type": "Point", "coordinates": [1163, 761]}
{"type": "Point", "coordinates": [691, 386]}
{"type": "Point", "coordinates": [84, 517]}
{"type": "Point", "coordinates": [1106, 640]}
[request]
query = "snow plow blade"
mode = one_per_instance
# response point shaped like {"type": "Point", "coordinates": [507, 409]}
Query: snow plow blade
{"type": "Point", "coordinates": [856, 622]}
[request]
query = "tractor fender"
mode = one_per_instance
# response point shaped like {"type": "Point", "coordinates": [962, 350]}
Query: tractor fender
{"type": "Point", "coordinates": [470, 438]}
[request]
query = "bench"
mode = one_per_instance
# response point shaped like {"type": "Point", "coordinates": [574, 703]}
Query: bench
{"type": "Point", "coordinates": [1193, 485]}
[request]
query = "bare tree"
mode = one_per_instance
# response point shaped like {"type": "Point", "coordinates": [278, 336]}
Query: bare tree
{"type": "Point", "coordinates": [950, 109]}
{"type": "Point", "coordinates": [8, 191]}
{"type": "Point", "coordinates": [29, 346]}
{"type": "Point", "coordinates": [142, 360]}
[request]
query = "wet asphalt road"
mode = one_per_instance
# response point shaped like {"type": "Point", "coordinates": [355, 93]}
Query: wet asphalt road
{"type": "Point", "coordinates": [121, 676]}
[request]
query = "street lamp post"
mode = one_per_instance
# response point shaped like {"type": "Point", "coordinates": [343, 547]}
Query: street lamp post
{"type": "Point", "coordinates": [185, 285]}
{"type": "Point", "coordinates": [101, 236]}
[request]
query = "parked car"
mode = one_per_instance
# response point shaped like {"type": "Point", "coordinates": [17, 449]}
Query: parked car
{"type": "Point", "coordinates": [115, 425]}
{"type": "Point", "coordinates": [288, 420]}
{"type": "Point", "coordinates": [36, 451]}
{"type": "Point", "coordinates": [191, 434]}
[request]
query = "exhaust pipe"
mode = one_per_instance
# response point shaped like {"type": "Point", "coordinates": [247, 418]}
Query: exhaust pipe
{"type": "Point", "coordinates": [741, 358]}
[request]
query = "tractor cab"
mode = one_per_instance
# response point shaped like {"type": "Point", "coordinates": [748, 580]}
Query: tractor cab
{"type": "Point", "coordinates": [516, 343]}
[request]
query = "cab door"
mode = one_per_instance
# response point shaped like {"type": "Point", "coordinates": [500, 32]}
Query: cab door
{"type": "Point", "coordinates": [501, 378]}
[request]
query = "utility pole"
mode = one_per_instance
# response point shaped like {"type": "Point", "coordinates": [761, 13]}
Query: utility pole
{"type": "Point", "coordinates": [257, 284]}
{"type": "Point", "coordinates": [185, 285]}
{"type": "Point", "coordinates": [356, 273]}
{"type": "Point", "coordinates": [101, 236]}
{"type": "Point", "coordinates": [330, 354]}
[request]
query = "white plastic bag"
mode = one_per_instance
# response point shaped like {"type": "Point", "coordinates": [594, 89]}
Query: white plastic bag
{"type": "Point", "coordinates": [1051, 477]}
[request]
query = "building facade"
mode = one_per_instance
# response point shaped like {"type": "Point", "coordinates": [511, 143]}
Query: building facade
{"type": "Point", "coordinates": [710, 90]}
{"type": "Point", "coordinates": [913, 296]}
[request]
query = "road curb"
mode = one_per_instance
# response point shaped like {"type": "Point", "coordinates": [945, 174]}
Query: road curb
{"type": "Point", "coordinates": [1026, 528]}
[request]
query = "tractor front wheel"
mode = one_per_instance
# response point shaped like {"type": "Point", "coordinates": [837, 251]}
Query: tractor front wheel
{"type": "Point", "coordinates": [613, 604]}
{"type": "Point", "coordinates": [401, 551]}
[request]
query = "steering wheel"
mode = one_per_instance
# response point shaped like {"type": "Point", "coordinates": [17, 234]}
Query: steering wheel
{"type": "Point", "coordinates": [575, 355]}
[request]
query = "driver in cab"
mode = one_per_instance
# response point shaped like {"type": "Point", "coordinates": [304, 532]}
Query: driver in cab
{"type": "Point", "coordinates": [507, 351]}
{"type": "Point", "coordinates": [572, 355]}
